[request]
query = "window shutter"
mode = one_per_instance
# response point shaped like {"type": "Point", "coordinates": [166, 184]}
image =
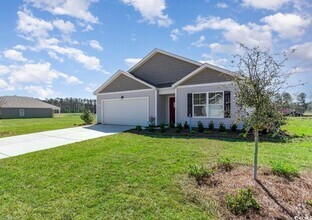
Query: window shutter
{"type": "Point", "coordinates": [227, 104]}
{"type": "Point", "coordinates": [189, 104]}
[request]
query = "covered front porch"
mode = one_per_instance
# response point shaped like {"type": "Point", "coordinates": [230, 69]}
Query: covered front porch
{"type": "Point", "coordinates": [166, 111]}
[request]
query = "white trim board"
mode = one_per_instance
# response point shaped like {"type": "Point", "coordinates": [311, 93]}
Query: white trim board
{"type": "Point", "coordinates": [198, 70]}
{"type": "Point", "coordinates": [118, 73]}
{"type": "Point", "coordinates": [155, 51]}
{"type": "Point", "coordinates": [206, 84]}
{"type": "Point", "coordinates": [128, 91]}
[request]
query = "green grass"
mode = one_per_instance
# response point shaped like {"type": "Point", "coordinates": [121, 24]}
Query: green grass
{"type": "Point", "coordinates": [125, 176]}
{"type": "Point", "coordinates": [299, 126]}
{"type": "Point", "coordinates": [11, 127]}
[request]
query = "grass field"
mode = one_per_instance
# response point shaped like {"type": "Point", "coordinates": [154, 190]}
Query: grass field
{"type": "Point", "coordinates": [11, 127]}
{"type": "Point", "coordinates": [299, 126]}
{"type": "Point", "coordinates": [124, 176]}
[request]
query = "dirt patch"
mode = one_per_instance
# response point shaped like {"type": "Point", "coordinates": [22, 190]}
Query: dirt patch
{"type": "Point", "coordinates": [279, 198]}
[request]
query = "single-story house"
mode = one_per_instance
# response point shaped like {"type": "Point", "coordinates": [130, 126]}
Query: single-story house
{"type": "Point", "coordinates": [25, 107]}
{"type": "Point", "coordinates": [170, 88]}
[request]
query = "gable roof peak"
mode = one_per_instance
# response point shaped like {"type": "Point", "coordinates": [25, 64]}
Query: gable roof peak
{"type": "Point", "coordinates": [157, 50]}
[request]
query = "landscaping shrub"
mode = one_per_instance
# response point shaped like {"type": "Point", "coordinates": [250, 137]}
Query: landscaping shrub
{"type": "Point", "coordinates": [284, 169]}
{"type": "Point", "coordinates": [162, 128]}
{"type": "Point", "coordinates": [171, 125]}
{"type": "Point", "coordinates": [200, 126]}
{"type": "Point", "coordinates": [222, 127]}
{"type": "Point", "coordinates": [138, 128]}
{"type": "Point", "coordinates": [241, 202]}
{"type": "Point", "coordinates": [87, 117]}
{"type": "Point", "coordinates": [207, 132]}
{"type": "Point", "coordinates": [151, 124]}
{"type": "Point", "coordinates": [193, 132]}
{"type": "Point", "coordinates": [224, 163]}
{"type": "Point", "coordinates": [309, 202]}
{"type": "Point", "coordinates": [211, 125]}
{"type": "Point", "coordinates": [234, 127]}
{"type": "Point", "coordinates": [179, 127]}
{"type": "Point", "coordinates": [186, 125]}
{"type": "Point", "coordinates": [200, 173]}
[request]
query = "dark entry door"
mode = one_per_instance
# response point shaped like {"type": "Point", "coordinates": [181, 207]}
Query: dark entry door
{"type": "Point", "coordinates": [172, 109]}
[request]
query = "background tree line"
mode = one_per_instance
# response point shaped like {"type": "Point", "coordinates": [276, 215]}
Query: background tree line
{"type": "Point", "coordinates": [293, 104]}
{"type": "Point", "coordinates": [73, 105]}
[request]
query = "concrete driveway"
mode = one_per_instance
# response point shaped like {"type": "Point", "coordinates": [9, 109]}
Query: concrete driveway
{"type": "Point", "coordinates": [22, 144]}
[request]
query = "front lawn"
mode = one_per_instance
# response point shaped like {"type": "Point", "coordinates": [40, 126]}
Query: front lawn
{"type": "Point", "coordinates": [124, 176]}
{"type": "Point", "coordinates": [11, 127]}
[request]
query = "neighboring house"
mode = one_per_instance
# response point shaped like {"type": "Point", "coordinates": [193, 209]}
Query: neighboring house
{"type": "Point", "coordinates": [25, 107]}
{"type": "Point", "coordinates": [169, 87]}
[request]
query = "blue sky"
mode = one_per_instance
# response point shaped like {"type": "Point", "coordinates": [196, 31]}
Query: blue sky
{"type": "Point", "coordinates": [67, 48]}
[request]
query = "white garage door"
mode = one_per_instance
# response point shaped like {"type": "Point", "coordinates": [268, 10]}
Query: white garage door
{"type": "Point", "coordinates": [132, 111]}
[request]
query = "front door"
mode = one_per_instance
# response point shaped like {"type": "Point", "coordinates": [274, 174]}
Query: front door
{"type": "Point", "coordinates": [172, 109]}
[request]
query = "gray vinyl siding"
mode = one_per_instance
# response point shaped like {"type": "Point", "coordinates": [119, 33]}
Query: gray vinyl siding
{"type": "Point", "coordinates": [7, 113]}
{"type": "Point", "coordinates": [123, 83]}
{"type": "Point", "coordinates": [181, 103]}
{"type": "Point", "coordinates": [207, 76]}
{"type": "Point", "coordinates": [163, 69]}
{"type": "Point", "coordinates": [146, 93]}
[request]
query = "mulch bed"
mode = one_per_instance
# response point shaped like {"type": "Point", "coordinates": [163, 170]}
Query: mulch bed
{"type": "Point", "coordinates": [278, 197]}
{"type": "Point", "coordinates": [206, 134]}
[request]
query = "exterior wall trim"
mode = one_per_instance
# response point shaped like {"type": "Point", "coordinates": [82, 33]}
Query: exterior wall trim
{"type": "Point", "coordinates": [119, 72]}
{"type": "Point", "coordinates": [198, 70]}
{"type": "Point", "coordinates": [129, 91]}
{"type": "Point", "coordinates": [155, 51]}
{"type": "Point", "coordinates": [206, 84]}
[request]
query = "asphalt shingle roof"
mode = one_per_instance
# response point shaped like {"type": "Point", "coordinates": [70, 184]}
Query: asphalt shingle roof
{"type": "Point", "coordinates": [24, 102]}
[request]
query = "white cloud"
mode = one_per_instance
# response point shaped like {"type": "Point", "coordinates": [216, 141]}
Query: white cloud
{"type": "Point", "coordinates": [288, 26]}
{"type": "Point", "coordinates": [20, 47]}
{"type": "Point", "coordinates": [4, 70]}
{"type": "Point", "coordinates": [95, 45]}
{"type": "Point", "coordinates": [31, 27]}
{"type": "Point", "coordinates": [14, 55]}
{"type": "Point", "coordinates": [88, 28]}
{"type": "Point", "coordinates": [74, 8]}
{"type": "Point", "coordinates": [55, 56]}
{"type": "Point", "coordinates": [200, 42]}
{"type": "Point", "coordinates": [73, 80]}
{"type": "Point", "coordinates": [65, 27]}
{"type": "Point", "coordinates": [89, 62]}
{"type": "Point", "coordinates": [5, 86]}
{"type": "Point", "coordinates": [41, 92]}
{"type": "Point", "coordinates": [132, 61]}
{"type": "Point", "coordinates": [250, 34]}
{"type": "Point", "coordinates": [151, 11]}
{"type": "Point", "coordinates": [303, 51]}
{"type": "Point", "coordinates": [38, 72]}
{"type": "Point", "coordinates": [265, 4]}
{"type": "Point", "coordinates": [174, 34]}
{"type": "Point", "coordinates": [91, 87]}
{"type": "Point", "coordinates": [222, 5]}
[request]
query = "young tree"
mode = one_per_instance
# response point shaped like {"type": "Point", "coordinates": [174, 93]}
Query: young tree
{"type": "Point", "coordinates": [259, 79]}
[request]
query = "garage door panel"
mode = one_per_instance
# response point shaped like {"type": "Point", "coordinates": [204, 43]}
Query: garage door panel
{"type": "Point", "coordinates": [126, 111]}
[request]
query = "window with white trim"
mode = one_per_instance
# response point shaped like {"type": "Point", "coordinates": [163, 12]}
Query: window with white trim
{"type": "Point", "coordinates": [216, 105]}
{"type": "Point", "coordinates": [208, 105]}
{"type": "Point", "coordinates": [200, 105]}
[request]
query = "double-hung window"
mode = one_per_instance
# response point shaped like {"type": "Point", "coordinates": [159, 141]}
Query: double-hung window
{"type": "Point", "coordinates": [208, 105]}
{"type": "Point", "coordinates": [216, 105]}
{"type": "Point", "coordinates": [200, 104]}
